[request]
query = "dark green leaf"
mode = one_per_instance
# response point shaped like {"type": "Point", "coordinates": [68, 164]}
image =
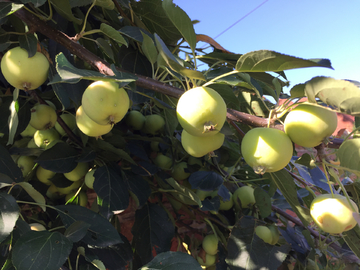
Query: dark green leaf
{"type": "Point", "coordinates": [227, 94]}
{"type": "Point", "coordinates": [77, 231]}
{"type": "Point", "coordinates": [5, 8]}
{"type": "Point", "coordinates": [9, 213]}
{"type": "Point", "coordinates": [183, 194]}
{"type": "Point", "coordinates": [113, 34]}
{"type": "Point", "coordinates": [285, 183]}
{"type": "Point", "coordinates": [264, 60]}
{"type": "Point", "coordinates": [106, 48]}
{"type": "Point", "coordinates": [41, 250]}
{"type": "Point", "coordinates": [36, 3]}
{"type": "Point", "coordinates": [181, 21]}
{"type": "Point", "coordinates": [247, 251]}
{"type": "Point", "coordinates": [153, 231]}
{"type": "Point", "coordinates": [29, 43]}
{"type": "Point", "coordinates": [108, 4]}
{"type": "Point", "coordinates": [111, 188]}
{"type": "Point", "coordinates": [34, 194]}
{"type": "Point", "coordinates": [263, 201]}
{"type": "Point", "coordinates": [100, 234]}
{"type": "Point", "coordinates": [149, 48]}
{"type": "Point", "coordinates": [154, 17]}
{"type": "Point", "coordinates": [205, 180]}
{"type": "Point", "coordinates": [138, 186]}
{"type": "Point", "coordinates": [60, 158]}
{"type": "Point", "coordinates": [352, 239]}
{"type": "Point", "coordinates": [133, 32]}
{"type": "Point", "coordinates": [64, 9]}
{"type": "Point", "coordinates": [8, 166]}
{"type": "Point", "coordinates": [341, 94]}
{"type": "Point", "coordinates": [171, 260]}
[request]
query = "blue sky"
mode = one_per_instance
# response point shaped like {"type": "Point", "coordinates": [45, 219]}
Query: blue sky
{"type": "Point", "coordinates": [308, 29]}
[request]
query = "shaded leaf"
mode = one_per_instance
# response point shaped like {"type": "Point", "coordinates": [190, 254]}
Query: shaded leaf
{"type": "Point", "coordinates": [181, 21]}
{"type": "Point", "coordinates": [64, 9]}
{"type": "Point", "coordinates": [183, 194]}
{"type": "Point", "coordinates": [171, 260]}
{"type": "Point", "coordinates": [5, 8]}
{"type": "Point", "coordinates": [100, 234]}
{"type": "Point", "coordinates": [36, 3]}
{"type": "Point", "coordinates": [8, 166]}
{"type": "Point", "coordinates": [349, 154]}
{"type": "Point", "coordinates": [106, 48]}
{"type": "Point", "coordinates": [298, 91]}
{"type": "Point", "coordinates": [286, 185]}
{"type": "Point", "coordinates": [205, 180]}
{"type": "Point", "coordinates": [9, 213]}
{"type": "Point", "coordinates": [247, 251]}
{"type": "Point", "coordinates": [77, 231]}
{"type": "Point", "coordinates": [149, 48]}
{"type": "Point", "coordinates": [152, 231]}
{"type": "Point", "coordinates": [113, 34]}
{"type": "Point", "coordinates": [60, 158]}
{"type": "Point", "coordinates": [41, 250]}
{"type": "Point", "coordinates": [138, 186]}
{"type": "Point", "coordinates": [36, 195]}
{"type": "Point", "coordinates": [263, 201]}
{"type": "Point", "coordinates": [29, 43]}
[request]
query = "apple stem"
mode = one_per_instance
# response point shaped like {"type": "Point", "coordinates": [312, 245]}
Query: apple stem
{"type": "Point", "coordinates": [327, 177]}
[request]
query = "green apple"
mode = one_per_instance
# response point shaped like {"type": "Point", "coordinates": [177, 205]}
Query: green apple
{"type": "Point", "coordinates": [226, 205]}
{"type": "Point", "coordinates": [333, 213]}
{"type": "Point", "coordinates": [210, 244]}
{"type": "Point", "coordinates": [29, 131]}
{"type": "Point", "coordinates": [79, 172]}
{"type": "Point", "coordinates": [264, 233]}
{"type": "Point", "coordinates": [246, 196]}
{"type": "Point", "coordinates": [48, 102]}
{"type": "Point", "coordinates": [43, 138]}
{"type": "Point", "coordinates": [201, 111]}
{"type": "Point", "coordinates": [43, 117]}
{"type": "Point", "coordinates": [209, 260]}
{"type": "Point", "coordinates": [22, 71]}
{"type": "Point", "coordinates": [266, 149]}
{"type": "Point", "coordinates": [163, 162]}
{"type": "Point", "coordinates": [90, 127]}
{"type": "Point", "coordinates": [68, 189]}
{"type": "Point", "coordinates": [178, 172]}
{"type": "Point", "coordinates": [44, 175]}
{"type": "Point", "coordinates": [308, 125]}
{"type": "Point", "coordinates": [53, 193]}
{"type": "Point", "coordinates": [154, 124]}
{"type": "Point", "coordinates": [32, 144]}
{"type": "Point", "coordinates": [135, 120]}
{"type": "Point", "coordinates": [26, 164]}
{"type": "Point", "coordinates": [89, 178]}
{"type": "Point", "coordinates": [275, 234]}
{"type": "Point", "coordinates": [81, 199]}
{"type": "Point", "coordinates": [69, 120]}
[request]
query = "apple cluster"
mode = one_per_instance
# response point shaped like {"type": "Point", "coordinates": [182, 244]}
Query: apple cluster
{"type": "Point", "coordinates": [103, 104]}
{"type": "Point", "coordinates": [210, 246]}
{"type": "Point", "coordinates": [201, 112]}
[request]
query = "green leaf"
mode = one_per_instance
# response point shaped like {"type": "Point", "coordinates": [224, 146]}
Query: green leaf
{"type": "Point", "coordinates": [64, 9]}
{"type": "Point", "coordinates": [100, 234]}
{"type": "Point", "coordinates": [29, 43]}
{"type": "Point", "coordinates": [183, 194]}
{"type": "Point", "coordinates": [352, 239]}
{"type": "Point", "coordinates": [113, 34]}
{"type": "Point", "coordinates": [5, 8]}
{"type": "Point", "coordinates": [13, 118]}
{"type": "Point", "coordinates": [247, 251]}
{"type": "Point", "coordinates": [285, 183]}
{"type": "Point", "coordinates": [171, 260]}
{"type": "Point", "coordinates": [36, 3]}
{"type": "Point", "coordinates": [8, 166]}
{"type": "Point", "coordinates": [263, 201]}
{"type": "Point", "coordinates": [107, 4]}
{"type": "Point", "coordinates": [349, 154]}
{"type": "Point", "coordinates": [173, 63]}
{"type": "Point", "coordinates": [154, 17]}
{"type": "Point", "coordinates": [152, 231]}
{"type": "Point", "coordinates": [70, 74]}
{"type": "Point", "coordinates": [9, 213]}
{"type": "Point", "coordinates": [298, 91]}
{"type": "Point", "coordinates": [181, 21]}
{"type": "Point", "coordinates": [106, 48]}
{"type": "Point", "coordinates": [34, 194]}
{"type": "Point", "coordinates": [149, 48]}
{"type": "Point", "coordinates": [341, 94]}
{"type": "Point", "coordinates": [77, 231]}
{"type": "Point", "coordinates": [40, 250]}
{"type": "Point", "coordinates": [264, 60]}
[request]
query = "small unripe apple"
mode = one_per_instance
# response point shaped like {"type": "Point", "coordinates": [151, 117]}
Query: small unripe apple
{"type": "Point", "coordinates": [210, 244]}
{"type": "Point", "coordinates": [32, 144]}
{"type": "Point", "coordinates": [80, 170]}
{"type": "Point", "coordinates": [154, 124]}
{"type": "Point", "coordinates": [89, 178]}
{"type": "Point", "coordinates": [209, 260]}
{"type": "Point", "coordinates": [264, 233]}
{"type": "Point", "coordinates": [43, 138]}
{"type": "Point", "coordinates": [81, 199]}
{"type": "Point", "coordinates": [43, 117]}
{"type": "Point", "coordinates": [44, 175]}
{"type": "Point", "coordinates": [178, 172]}
{"type": "Point", "coordinates": [26, 164]}
{"type": "Point", "coordinates": [135, 120]}
{"type": "Point", "coordinates": [308, 125]}
{"type": "Point", "coordinates": [37, 227]}
{"type": "Point", "coordinates": [90, 127]}
{"type": "Point", "coordinates": [29, 131]}
{"type": "Point", "coordinates": [69, 120]}
{"type": "Point", "coordinates": [333, 214]}
{"type": "Point", "coordinates": [275, 234]}
{"type": "Point", "coordinates": [68, 189]}
{"type": "Point", "coordinates": [105, 103]}
{"type": "Point", "coordinates": [246, 196]}
{"type": "Point", "coordinates": [226, 205]}
{"type": "Point", "coordinates": [23, 72]}
{"type": "Point", "coordinates": [53, 193]}
{"type": "Point", "coordinates": [200, 146]}
{"type": "Point", "coordinates": [163, 162]}
{"type": "Point", "coordinates": [266, 149]}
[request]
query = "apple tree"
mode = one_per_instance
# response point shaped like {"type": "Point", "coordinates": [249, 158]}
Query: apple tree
{"type": "Point", "coordinates": [125, 145]}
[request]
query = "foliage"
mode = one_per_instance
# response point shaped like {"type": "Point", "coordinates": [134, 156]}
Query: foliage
{"type": "Point", "coordinates": [138, 214]}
